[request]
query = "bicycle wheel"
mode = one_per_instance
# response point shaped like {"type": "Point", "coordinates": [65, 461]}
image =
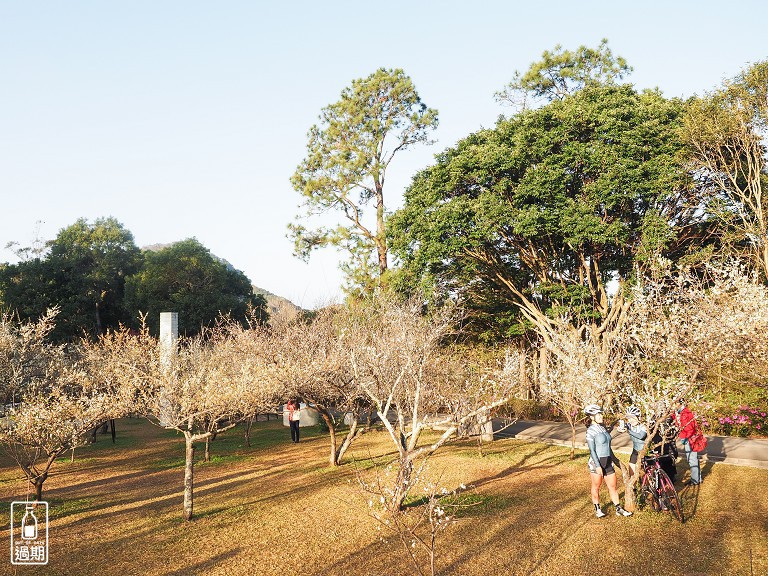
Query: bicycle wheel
{"type": "Point", "coordinates": [647, 495]}
{"type": "Point", "coordinates": [668, 496]}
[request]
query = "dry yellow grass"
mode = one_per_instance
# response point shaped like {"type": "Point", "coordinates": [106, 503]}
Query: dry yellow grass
{"type": "Point", "coordinates": [276, 506]}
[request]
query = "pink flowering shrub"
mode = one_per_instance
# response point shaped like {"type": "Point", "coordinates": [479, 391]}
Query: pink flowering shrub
{"type": "Point", "coordinates": [743, 421]}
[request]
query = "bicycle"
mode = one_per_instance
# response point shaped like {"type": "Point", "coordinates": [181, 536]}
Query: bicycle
{"type": "Point", "coordinates": [657, 489]}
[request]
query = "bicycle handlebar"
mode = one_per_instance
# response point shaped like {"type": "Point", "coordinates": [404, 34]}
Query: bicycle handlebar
{"type": "Point", "coordinates": [655, 456]}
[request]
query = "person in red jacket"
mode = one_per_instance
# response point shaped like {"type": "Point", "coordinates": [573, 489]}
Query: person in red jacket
{"type": "Point", "coordinates": [686, 423]}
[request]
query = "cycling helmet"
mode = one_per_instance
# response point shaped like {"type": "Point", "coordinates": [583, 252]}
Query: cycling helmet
{"type": "Point", "coordinates": [633, 411]}
{"type": "Point", "coordinates": [592, 409]}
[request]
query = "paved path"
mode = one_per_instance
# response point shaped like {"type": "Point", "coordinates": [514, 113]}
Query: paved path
{"type": "Point", "coordinates": [720, 449]}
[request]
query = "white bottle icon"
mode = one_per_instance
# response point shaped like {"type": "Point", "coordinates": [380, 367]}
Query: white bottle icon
{"type": "Point", "coordinates": [29, 524]}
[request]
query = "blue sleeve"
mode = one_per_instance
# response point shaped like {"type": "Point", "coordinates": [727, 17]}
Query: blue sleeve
{"type": "Point", "coordinates": [639, 433]}
{"type": "Point", "coordinates": [592, 449]}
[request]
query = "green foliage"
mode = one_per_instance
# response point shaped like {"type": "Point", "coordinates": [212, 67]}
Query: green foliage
{"type": "Point", "coordinates": [733, 410]}
{"type": "Point", "coordinates": [744, 421]}
{"type": "Point", "coordinates": [347, 157]}
{"type": "Point", "coordinates": [560, 73]}
{"type": "Point", "coordinates": [99, 279]}
{"type": "Point", "coordinates": [186, 278]}
{"type": "Point", "coordinates": [550, 205]}
{"type": "Point", "coordinates": [83, 273]}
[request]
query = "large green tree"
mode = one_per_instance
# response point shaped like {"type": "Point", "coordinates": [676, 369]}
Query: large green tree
{"type": "Point", "coordinates": [541, 213]}
{"type": "Point", "coordinates": [83, 273]}
{"type": "Point", "coordinates": [186, 278]}
{"type": "Point", "coordinates": [348, 154]}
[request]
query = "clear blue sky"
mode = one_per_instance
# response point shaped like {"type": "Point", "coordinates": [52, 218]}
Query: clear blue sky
{"type": "Point", "coordinates": [187, 118]}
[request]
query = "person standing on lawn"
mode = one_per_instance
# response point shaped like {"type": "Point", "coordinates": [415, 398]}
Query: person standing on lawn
{"type": "Point", "coordinates": [601, 461]}
{"type": "Point", "coordinates": [663, 443]}
{"type": "Point", "coordinates": [637, 433]}
{"type": "Point", "coordinates": [294, 418]}
{"type": "Point", "coordinates": [686, 423]}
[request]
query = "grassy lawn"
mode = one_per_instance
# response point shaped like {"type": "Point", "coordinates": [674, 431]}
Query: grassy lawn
{"type": "Point", "coordinates": [276, 505]}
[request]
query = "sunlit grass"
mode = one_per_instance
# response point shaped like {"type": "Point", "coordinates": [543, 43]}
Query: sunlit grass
{"type": "Point", "coordinates": [523, 508]}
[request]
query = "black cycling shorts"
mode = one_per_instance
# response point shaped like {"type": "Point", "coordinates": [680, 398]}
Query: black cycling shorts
{"type": "Point", "coordinates": [606, 466]}
{"type": "Point", "coordinates": [633, 457]}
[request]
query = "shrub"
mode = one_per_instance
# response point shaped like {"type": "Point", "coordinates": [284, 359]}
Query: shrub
{"type": "Point", "coordinates": [744, 421]}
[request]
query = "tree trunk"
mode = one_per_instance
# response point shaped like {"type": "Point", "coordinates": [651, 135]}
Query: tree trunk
{"type": "Point", "coordinates": [207, 456]}
{"type": "Point", "coordinates": [763, 258]}
{"type": "Point", "coordinates": [328, 419]}
{"type": "Point", "coordinates": [35, 478]}
{"type": "Point", "coordinates": [630, 480]}
{"type": "Point", "coordinates": [98, 319]}
{"type": "Point", "coordinates": [629, 485]}
{"type": "Point", "coordinates": [573, 439]}
{"type": "Point", "coordinates": [248, 429]}
{"type": "Point", "coordinates": [189, 477]}
{"type": "Point", "coordinates": [523, 376]}
{"type": "Point", "coordinates": [629, 490]}
{"type": "Point", "coordinates": [354, 432]}
{"type": "Point", "coordinates": [381, 234]}
{"type": "Point", "coordinates": [402, 483]}
{"type": "Point", "coordinates": [39, 479]}
{"type": "Point", "coordinates": [112, 428]}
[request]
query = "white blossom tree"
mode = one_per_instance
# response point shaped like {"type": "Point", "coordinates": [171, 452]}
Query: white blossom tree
{"type": "Point", "coordinates": [49, 421]}
{"type": "Point", "coordinates": [581, 370]}
{"type": "Point", "coordinates": [684, 327]}
{"type": "Point", "coordinates": [417, 527]}
{"type": "Point", "coordinates": [205, 388]}
{"type": "Point", "coordinates": [55, 401]}
{"type": "Point", "coordinates": [397, 357]}
{"type": "Point", "coordinates": [314, 367]}
{"type": "Point", "coordinates": [23, 353]}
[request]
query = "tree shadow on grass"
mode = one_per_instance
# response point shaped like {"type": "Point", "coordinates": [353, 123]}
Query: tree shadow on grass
{"type": "Point", "coordinates": [136, 489]}
{"type": "Point", "coordinates": [689, 494]}
{"type": "Point", "coordinates": [207, 489]}
{"type": "Point", "coordinates": [130, 502]}
{"type": "Point", "coordinates": [505, 535]}
{"type": "Point", "coordinates": [470, 541]}
{"type": "Point", "coordinates": [525, 465]}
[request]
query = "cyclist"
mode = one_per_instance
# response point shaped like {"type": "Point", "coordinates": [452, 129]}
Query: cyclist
{"type": "Point", "coordinates": [637, 433]}
{"type": "Point", "coordinates": [663, 443]}
{"type": "Point", "coordinates": [601, 461]}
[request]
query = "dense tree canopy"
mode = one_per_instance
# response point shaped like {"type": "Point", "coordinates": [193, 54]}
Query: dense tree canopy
{"type": "Point", "coordinates": [83, 273]}
{"type": "Point", "coordinates": [96, 278]}
{"type": "Point", "coordinates": [547, 208]}
{"type": "Point", "coordinates": [186, 278]}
